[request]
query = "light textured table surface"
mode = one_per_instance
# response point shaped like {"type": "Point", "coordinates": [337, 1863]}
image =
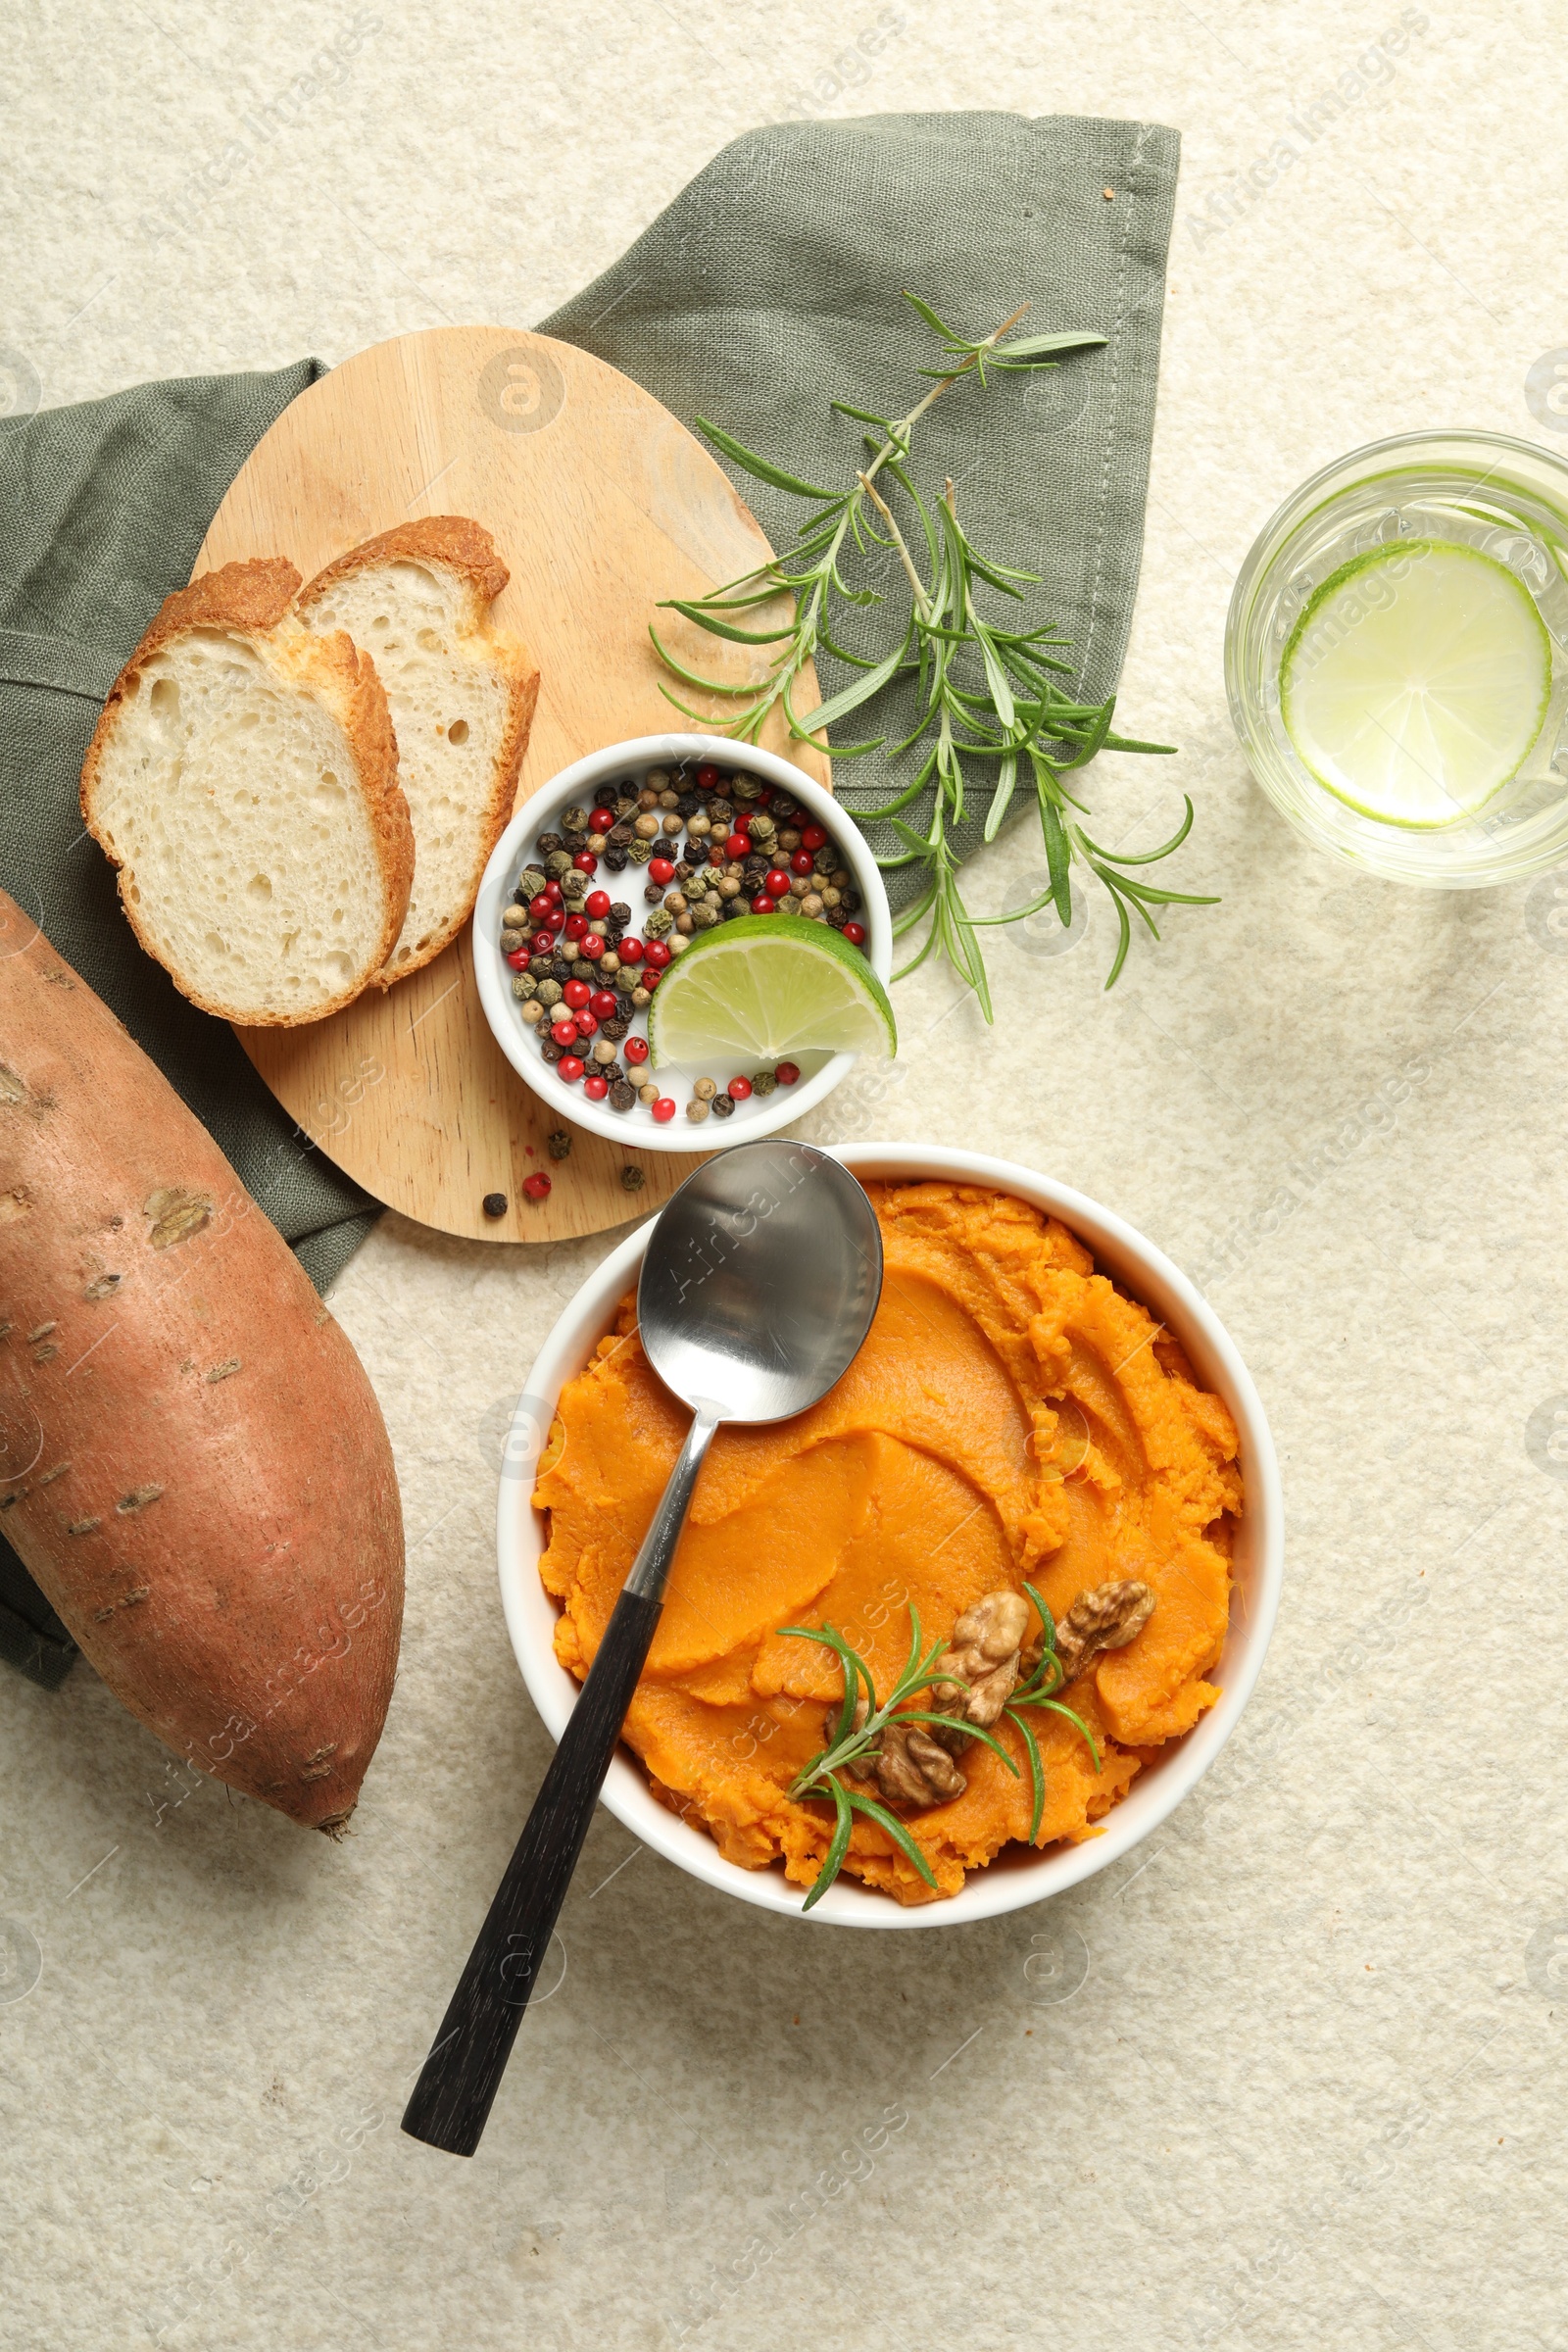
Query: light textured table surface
{"type": "Point", "coordinates": [1292, 2075]}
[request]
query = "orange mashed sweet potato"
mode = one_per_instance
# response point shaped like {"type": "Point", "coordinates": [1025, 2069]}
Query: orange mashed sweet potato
{"type": "Point", "coordinates": [1012, 1414]}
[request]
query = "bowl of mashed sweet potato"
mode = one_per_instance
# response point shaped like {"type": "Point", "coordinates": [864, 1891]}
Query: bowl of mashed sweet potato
{"type": "Point", "coordinates": [1044, 1401]}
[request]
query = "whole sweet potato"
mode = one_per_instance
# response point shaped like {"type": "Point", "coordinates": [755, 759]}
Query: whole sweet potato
{"type": "Point", "coordinates": [192, 1462]}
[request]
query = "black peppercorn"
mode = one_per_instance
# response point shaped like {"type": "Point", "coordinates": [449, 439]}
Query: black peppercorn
{"type": "Point", "coordinates": [632, 1179]}
{"type": "Point", "coordinates": [615, 858]}
{"type": "Point", "coordinates": [652, 892]}
{"type": "Point", "coordinates": [550, 1050]}
{"type": "Point", "coordinates": [495, 1204]}
{"type": "Point", "coordinates": [619, 834]}
{"type": "Point", "coordinates": [698, 853]}
{"type": "Point", "coordinates": [851, 902]}
{"type": "Point", "coordinates": [687, 804]}
{"type": "Point", "coordinates": [543, 967]}
{"type": "Point", "coordinates": [722, 1106]}
{"type": "Point", "coordinates": [615, 1028]}
{"type": "Point", "coordinates": [622, 1095]}
{"type": "Point", "coordinates": [620, 913]}
{"type": "Point", "coordinates": [559, 1143]}
{"type": "Point", "coordinates": [683, 870]}
{"type": "Point", "coordinates": [549, 843]}
{"type": "Point", "coordinates": [561, 967]}
{"type": "Point", "coordinates": [607, 796]}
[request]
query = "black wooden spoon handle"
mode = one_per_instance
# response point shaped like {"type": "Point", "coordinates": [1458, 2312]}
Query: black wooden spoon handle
{"type": "Point", "coordinates": [462, 2074]}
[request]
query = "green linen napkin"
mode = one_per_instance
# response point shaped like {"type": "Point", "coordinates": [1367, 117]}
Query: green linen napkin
{"type": "Point", "coordinates": [770, 286]}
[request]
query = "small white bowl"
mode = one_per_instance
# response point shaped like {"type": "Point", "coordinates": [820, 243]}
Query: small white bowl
{"type": "Point", "coordinates": [1017, 1877]}
{"type": "Point", "coordinates": [760, 1114]}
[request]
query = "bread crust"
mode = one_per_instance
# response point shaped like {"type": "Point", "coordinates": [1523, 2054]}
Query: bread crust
{"type": "Point", "coordinates": [255, 600]}
{"type": "Point", "coordinates": [457, 544]}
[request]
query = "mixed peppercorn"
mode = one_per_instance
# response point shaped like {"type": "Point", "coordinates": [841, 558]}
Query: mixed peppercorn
{"type": "Point", "coordinates": [708, 846]}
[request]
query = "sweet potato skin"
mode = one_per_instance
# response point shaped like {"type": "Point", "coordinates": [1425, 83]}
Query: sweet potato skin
{"type": "Point", "coordinates": [192, 1462]}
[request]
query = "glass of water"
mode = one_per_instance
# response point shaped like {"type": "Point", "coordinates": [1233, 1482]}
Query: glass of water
{"type": "Point", "coordinates": [1397, 659]}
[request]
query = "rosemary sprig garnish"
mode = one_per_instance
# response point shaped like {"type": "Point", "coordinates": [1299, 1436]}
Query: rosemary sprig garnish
{"type": "Point", "coordinates": [984, 692]}
{"type": "Point", "coordinates": [854, 1745]}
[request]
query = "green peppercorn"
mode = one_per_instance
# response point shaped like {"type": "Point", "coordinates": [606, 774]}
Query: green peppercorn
{"type": "Point", "coordinates": [575, 820]}
{"type": "Point", "coordinates": [549, 993]}
{"type": "Point", "coordinates": [763, 1082]}
{"type": "Point", "coordinates": [523, 986]}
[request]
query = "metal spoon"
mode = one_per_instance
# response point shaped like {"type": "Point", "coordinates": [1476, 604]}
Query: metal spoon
{"type": "Point", "coordinates": [758, 1286]}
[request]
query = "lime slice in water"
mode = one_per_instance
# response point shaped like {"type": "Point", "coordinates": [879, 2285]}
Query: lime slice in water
{"type": "Point", "coordinates": [1416, 681]}
{"type": "Point", "coordinates": [766, 986]}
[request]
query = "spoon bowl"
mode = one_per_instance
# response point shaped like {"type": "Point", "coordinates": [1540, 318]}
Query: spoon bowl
{"type": "Point", "coordinates": [761, 1282]}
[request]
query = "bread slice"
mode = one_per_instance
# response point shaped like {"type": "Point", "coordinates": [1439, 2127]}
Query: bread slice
{"type": "Point", "coordinates": [462, 695]}
{"type": "Point", "coordinates": [244, 779]}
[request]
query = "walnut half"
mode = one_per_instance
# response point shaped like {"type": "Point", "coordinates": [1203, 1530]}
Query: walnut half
{"type": "Point", "coordinates": [1106, 1617]}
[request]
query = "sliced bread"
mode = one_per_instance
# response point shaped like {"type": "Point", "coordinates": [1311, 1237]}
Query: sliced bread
{"type": "Point", "coordinates": [462, 696]}
{"type": "Point", "coordinates": [243, 777]}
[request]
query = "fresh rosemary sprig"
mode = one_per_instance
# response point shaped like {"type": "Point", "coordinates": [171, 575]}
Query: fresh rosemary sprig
{"type": "Point", "coordinates": [984, 692]}
{"type": "Point", "coordinates": [854, 1743]}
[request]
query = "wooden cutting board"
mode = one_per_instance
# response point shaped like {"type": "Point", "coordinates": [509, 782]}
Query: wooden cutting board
{"type": "Point", "coordinates": [601, 503]}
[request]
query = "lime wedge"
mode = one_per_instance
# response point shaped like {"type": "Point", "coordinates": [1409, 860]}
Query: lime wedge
{"type": "Point", "coordinates": [766, 986]}
{"type": "Point", "coordinates": [1416, 680]}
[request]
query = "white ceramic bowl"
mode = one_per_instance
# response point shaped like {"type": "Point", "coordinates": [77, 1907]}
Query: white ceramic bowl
{"type": "Point", "coordinates": [1017, 1877]}
{"type": "Point", "coordinates": [635, 1128]}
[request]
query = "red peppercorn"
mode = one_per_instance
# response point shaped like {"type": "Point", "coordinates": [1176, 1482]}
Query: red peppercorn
{"type": "Point", "coordinates": [813, 837]}
{"type": "Point", "coordinates": [586, 1024]}
{"type": "Point", "coordinates": [596, 905]}
{"type": "Point", "coordinates": [541, 909]}
{"type": "Point", "coordinates": [776, 882]}
{"type": "Point", "coordinates": [537, 1186]}
{"type": "Point", "coordinates": [855, 933]}
{"type": "Point", "coordinates": [596, 1088]}
{"type": "Point", "coordinates": [786, 1073]}
{"type": "Point", "coordinates": [600, 820]}
{"type": "Point", "coordinates": [552, 892]}
{"type": "Point", "coordinates": [736, 848]}
{"type": "Point", "coordinates": [657, 954]}
{"type": "Point", "coordinates": [762, 904]}
{"type": "Point", "coordinates": [739, 1090]}
{"type": "Point", "coordinates": [569, 1068]}
{"type": "Point", "coordinates": [577, 993]}
{"type": "Point", "coordinates": [631, 950]}
{"type": "Point", "coordinates": [565, 1033]}
{"type": "Point", "coordinates": [517, 958]}
{"type": "Point", "coordinates": [649, 980]}
{"type": "Point", "coordinates": [590, 945]}
{"type": "Point", "coordinates": [707, 778]}
{"type": "Point", "coordinates": [660, 870]}
{"type": "Point", "coordinates": [764, 798]}
{"type": "Point", "coordinates": [801, 862]}
{"type": "Point", "coordinates": [635, 1048]}
{"type": "Point", "coordinates": [574, 925]}
{"type": "Point", "coordinates": [743, 822]}
{"type": "Point", "coordinates": [663, 1109]}
{"type": "Point", "coordinates": [586, 863]}
{"type": "Point", "coordinates": [603, 1001]}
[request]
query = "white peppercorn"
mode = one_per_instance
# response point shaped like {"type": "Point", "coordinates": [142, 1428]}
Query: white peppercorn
{"type": "Point", "coordinates": [697, 1109]}
{"type": "Point", "coordinates": [704, 1090]}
